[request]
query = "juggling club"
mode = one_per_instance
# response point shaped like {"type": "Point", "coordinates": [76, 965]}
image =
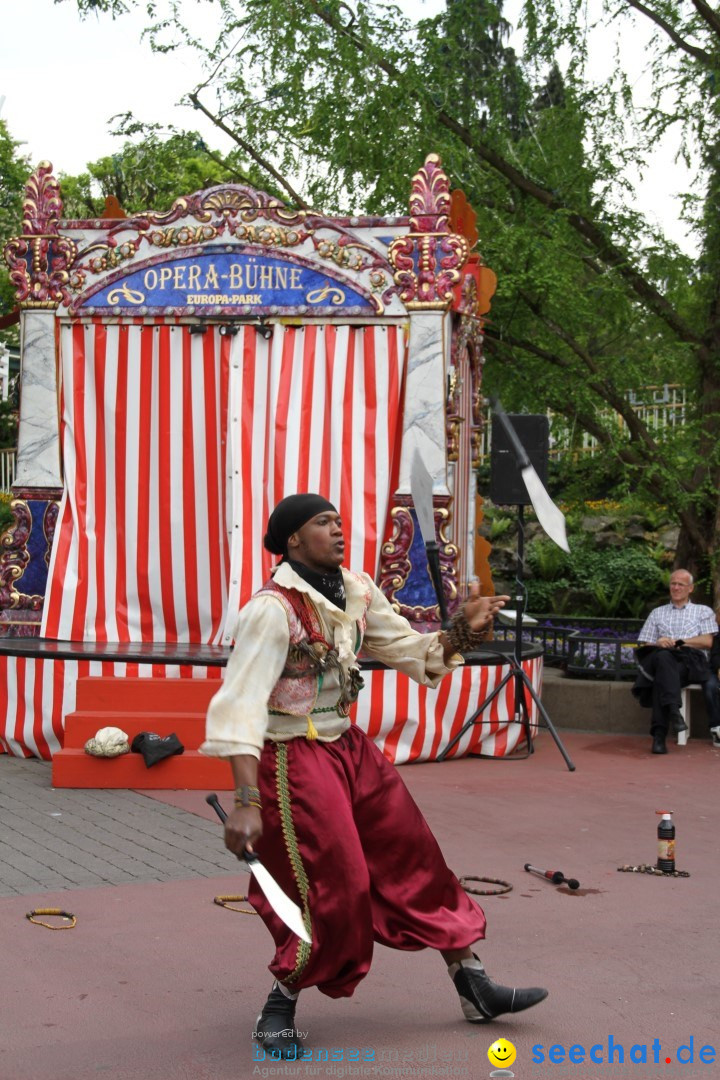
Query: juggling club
{"type": "Point", "coordinates": [556, 876]}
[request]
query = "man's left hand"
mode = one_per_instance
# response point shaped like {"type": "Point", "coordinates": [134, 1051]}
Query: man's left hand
{"type": "Point", "coordinates": [481, 610]}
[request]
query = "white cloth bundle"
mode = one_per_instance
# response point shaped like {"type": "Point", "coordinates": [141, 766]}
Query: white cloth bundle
{"type": "Point", "coordinates": [108, 742]}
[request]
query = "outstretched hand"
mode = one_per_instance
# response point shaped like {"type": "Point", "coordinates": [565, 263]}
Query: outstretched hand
{"type": "Point", "coordinates": [481, 610]}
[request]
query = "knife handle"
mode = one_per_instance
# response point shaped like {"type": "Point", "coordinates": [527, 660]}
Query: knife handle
{"type": "Point", "coordinates": [212, 800]}
{"type": "Point", "coordinates": [433, 556]}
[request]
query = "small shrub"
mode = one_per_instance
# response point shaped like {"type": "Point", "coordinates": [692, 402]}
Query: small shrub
{"type": "Point", "coordinates": [614, 582]}
{"type": "Point", "coordinates": [6, 514]}
{"type": "Point", "coordinates": [547, 561]}
{"type": "Point", "coordinates": [498, 526]}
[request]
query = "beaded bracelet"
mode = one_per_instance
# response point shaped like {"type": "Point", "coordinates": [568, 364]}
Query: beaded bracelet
{"type": "Point", "coordinates": [247, 796]}
{"type": "Point", "coordinates": [461, 635]}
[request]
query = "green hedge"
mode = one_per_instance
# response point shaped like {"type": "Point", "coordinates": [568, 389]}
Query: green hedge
{"type": "Point", "coordinates": [621, 582]}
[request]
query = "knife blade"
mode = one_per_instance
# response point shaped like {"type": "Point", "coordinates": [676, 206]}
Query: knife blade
{"type": "Point", "coordinates": [285, 908]}
{"type": "Point", "coordinates": [421, 491]}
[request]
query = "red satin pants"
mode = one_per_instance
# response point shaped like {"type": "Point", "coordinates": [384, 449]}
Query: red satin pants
{"type": "Point", "coordinates": [344, 839]}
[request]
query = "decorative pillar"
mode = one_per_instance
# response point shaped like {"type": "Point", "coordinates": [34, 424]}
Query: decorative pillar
{"type": "Point", "coordinates": [427, 262]}
{"type": "Point", "coordinates": [465, 401]}
{"type": "Point", "coordinates": [39, 261]}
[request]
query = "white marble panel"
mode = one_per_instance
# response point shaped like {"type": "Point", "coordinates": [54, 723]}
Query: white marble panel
{"type": "Point", "coordinates": [38, 460]}
{"type": "Point", "coordinates": [424, 418]}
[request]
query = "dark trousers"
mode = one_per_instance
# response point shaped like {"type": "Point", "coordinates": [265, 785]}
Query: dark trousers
{"type": "Point", "coordinates": [670, 673]}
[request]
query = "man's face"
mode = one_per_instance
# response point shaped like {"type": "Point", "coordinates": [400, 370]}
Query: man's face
{"type": "Point", "coordinates": [680, 587]}
{"type": "Point", "coordinates": [319, 542]}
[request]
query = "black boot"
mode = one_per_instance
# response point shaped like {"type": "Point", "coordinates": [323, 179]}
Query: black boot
{"type": "Point", "coordinates": [658, 743]}
{"type": "Point", "coordinates": [676, 721]}
{"type": "Point", "coordinates": [275, 1027]}
{"type": "Point", "coordinates": [482, 999]}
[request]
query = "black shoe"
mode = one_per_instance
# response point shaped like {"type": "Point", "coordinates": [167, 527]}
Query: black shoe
{"type": "Point", "coordinates": [275, 1026]}
{"type": "Point", "coordinates": [483, 1000]}
{"type": "Point", "coordinates": [677, 724]}
{"type": "Point", "coordinates": [658, 744]}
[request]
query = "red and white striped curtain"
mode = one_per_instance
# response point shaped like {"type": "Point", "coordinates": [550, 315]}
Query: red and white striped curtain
{"type": "Point", "coordinates": [141, 549]}
{"type": "Point", "coordinates": [36, 696]}
{"type": "Point", "coordinates": [316, 408]}
{"type": "Point", "coordinates": [177, 446]}
{"type": "Point", "coordinates": [412, 723]}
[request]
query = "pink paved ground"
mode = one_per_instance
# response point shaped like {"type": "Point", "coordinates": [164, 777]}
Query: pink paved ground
{"type": "Point", "coordinates": [158, 983]}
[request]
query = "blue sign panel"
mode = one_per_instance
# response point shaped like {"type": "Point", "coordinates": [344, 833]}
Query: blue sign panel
{"type": "Point", "coordinates": [226, 279]}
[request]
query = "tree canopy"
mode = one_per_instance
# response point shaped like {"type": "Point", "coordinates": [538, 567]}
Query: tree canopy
{"type": "Point", "coordinates": [150, 174]}
{"type": "Point", "coordinates": [340, 101]}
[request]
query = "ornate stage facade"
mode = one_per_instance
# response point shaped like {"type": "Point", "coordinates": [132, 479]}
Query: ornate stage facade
{"type": "Point", "coordinates": [182, 372]}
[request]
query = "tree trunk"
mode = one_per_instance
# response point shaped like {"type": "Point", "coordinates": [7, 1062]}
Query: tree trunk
{"type": "Point", "coordinates": [688, 557]}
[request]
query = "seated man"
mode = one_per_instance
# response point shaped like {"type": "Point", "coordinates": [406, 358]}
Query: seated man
{"type": "Point", "coordinates": [681, 633]}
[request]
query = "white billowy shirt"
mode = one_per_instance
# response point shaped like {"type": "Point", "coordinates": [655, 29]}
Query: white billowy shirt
{"type": "Point", "coordinates": [238, 720]}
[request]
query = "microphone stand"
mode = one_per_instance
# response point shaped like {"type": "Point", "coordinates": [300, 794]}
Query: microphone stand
{"type": "Point", "coordinates": [516, 674]}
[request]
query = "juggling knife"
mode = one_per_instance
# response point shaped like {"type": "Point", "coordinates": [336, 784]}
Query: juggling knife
{"type": "Point", "coordinates": [422, 497]}
{"type": "Point", "coordinates": [550, 517]}
{"type": "Point", "coordinates": [285, 908]}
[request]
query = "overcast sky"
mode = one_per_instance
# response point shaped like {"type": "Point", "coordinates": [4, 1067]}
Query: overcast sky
{"type": "Point", "coordinates": [63, 78]}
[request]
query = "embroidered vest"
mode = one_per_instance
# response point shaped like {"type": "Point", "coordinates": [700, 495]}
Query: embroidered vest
{"type": "Point", "coordinates": [310, 654]}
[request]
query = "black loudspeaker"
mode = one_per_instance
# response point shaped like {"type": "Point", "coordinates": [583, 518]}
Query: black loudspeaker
{"type": "Point", "coordinates": [506, 483]}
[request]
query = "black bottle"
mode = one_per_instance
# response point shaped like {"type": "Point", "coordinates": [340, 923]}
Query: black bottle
{"type": "Point", "coordinates": [666, 842]}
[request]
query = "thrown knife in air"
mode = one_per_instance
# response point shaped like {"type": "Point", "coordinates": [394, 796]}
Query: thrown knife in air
{"type": "Point", "coordinates": [550, 517]}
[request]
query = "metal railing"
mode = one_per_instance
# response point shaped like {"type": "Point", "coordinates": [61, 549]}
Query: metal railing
{"type": "Point", "coordinates": [559, 636]}
{"type": "Point", "coordinates": [8, 461]}
{"type": "Point", "coordinates": [602, 658]}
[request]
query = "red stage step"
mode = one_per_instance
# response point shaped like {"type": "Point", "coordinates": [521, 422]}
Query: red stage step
{"type": "Point", "coordinates": [189, 727]}
{"type": "Point", "coordinates": [134, 695]}
{"type": "Point", "coordinates": [189, 771]}
{"type": "Point", "coordinates": [134, 705]}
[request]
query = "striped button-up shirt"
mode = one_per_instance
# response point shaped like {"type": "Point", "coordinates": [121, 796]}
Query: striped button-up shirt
{"type": "Point", "coordinates": [684, 622]}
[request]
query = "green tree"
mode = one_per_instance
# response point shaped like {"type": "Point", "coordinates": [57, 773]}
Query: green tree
{"type": "Point", "coordinates": [151, 173]}
{"type": "Point", "coordinates": [340, 98]}
{"type": "Point", "coordinates": [14, 171]}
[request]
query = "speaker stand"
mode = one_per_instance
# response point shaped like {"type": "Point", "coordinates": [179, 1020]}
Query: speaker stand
{"type": "Point", "coordinates": [521, 682]}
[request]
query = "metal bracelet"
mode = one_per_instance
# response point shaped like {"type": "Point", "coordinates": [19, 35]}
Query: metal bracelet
{"type": "Point", "coordinates": [247, 796]}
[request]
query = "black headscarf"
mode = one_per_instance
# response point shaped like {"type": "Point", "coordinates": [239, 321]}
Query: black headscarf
{"type": "Point", "coordinates": [289, 515]}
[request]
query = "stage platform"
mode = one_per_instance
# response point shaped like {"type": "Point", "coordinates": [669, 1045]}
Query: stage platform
{"type": "Point", "coordinates": [67, 690]}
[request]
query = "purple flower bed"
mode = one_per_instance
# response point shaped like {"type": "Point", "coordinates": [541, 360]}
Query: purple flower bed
{"type": "Point", "coordinates": [603, 655]}
{"type": "Point", "coordinates": [601, 648]}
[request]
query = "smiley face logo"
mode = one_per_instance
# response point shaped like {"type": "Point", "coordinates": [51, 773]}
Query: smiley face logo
{"type": "Point", "coordinates": [502, 1053]}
